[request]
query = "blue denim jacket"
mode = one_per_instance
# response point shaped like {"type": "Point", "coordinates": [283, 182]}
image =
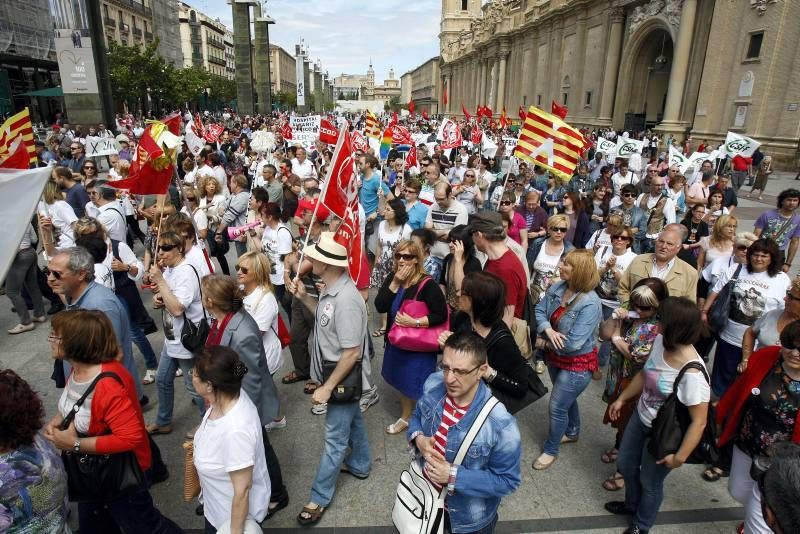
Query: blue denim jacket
{"type": "Point", "coordinates": [491, 467]}
{"type": "Point", "coordinates": [579, 323]}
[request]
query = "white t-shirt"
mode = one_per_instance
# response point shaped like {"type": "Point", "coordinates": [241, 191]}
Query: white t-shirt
{"type": "Point", "coordinates": [601, 238]}
{"type": "Point", "coordinates": [62, 216]}
{"type": "Point", "coordinates": [196, 258]}
{"type": "Point", "coordinates": [713, 253]}
{"type": "Point", "coordinates": [228, 444]}
{"type": "Point", "coordinates": [618, 181]}
{"type": "Point", "coordinates": [608, 284]}
{"type": "Point", "coordinates": [659, 378]}
{"type": "Point", "coordinates": [753, 295]}
{"type": "Point", "coordinates": [184, 284]}
{"type": "Point", "coordinates": [263, 307]}
{"type": "Point", "coordinates": [545, 269]}
{"type": "Point", "coordinates": [112, 216]}
{"type": "Point", "coordinates": [200, 223]}
{"type": "Point", "coordinates": [276, 244]}
{"type": "Point", "coordinates": [304, 170]}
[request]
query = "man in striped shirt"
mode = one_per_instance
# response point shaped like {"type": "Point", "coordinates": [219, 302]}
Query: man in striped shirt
{"type": "Point", "coordinates": [451, 401]}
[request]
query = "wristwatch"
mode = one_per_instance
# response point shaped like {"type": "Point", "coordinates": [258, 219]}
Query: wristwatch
{"type": "Point", "coordinates": [417, 323]}
{"type": "Point", "coordinates": [77, 445]}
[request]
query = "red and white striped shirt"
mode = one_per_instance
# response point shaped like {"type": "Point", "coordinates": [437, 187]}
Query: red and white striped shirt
{"type": "Point", "coordinates": [451, 415]}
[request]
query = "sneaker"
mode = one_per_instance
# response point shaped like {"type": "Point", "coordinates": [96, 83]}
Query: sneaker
{"type": "Point", "coordinates": [279, 423]}
{"type": "Point", "coordinates": [42, 319]}
{"type": "Point", "coordinates": [369, 398]}
{"type": "Point", "coordinates": [149, 377]}
{"type": "Point", "coordinates": [540, 368]}
{"type": "Point", "coordinates": [319, 409]}
{"type": "Point", "coordinates": [20, 328]}
{"type": "Point", "coordinates": [179, 373]}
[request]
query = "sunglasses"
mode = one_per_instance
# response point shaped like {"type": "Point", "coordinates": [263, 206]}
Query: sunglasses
{"type": "Point", "coordinates": [623, 237]}
{"type": "Point", "coordinates": [642, 308]}
{"type": "Point", "coordinates": [506, 203]}
{"type": "Point", "coordinates": [192, 199]}
{"type": "Point", "coordinates": [89, 167]}
{"type": "Point", "coordinates": [559, 229]}
{"type": "Point", "coordinates": [166, 248]}
{"type": "Point", "coordinates": [468, 174]}
{"type": "Point", "coordinates": [56, 274]}
{"type": "Point", "coordinates": [410, 191]}
{"type": "Point", "coordinates": [243, 270]}
{"type": "Point", "coordinates": [406, 257]}
{"type": "Point", "coordinates": [629, 195]}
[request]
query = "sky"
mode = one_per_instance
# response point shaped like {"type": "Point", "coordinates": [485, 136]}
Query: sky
{"type": "Point", "coordinates": [345, 34]}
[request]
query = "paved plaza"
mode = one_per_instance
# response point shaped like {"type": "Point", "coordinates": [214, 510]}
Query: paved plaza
{"type": "Point", "coordinates": [566, 498]}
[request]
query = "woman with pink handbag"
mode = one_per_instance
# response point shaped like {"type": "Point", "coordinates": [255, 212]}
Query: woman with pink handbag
{"type": "Point", "coordinates": [417, 314]}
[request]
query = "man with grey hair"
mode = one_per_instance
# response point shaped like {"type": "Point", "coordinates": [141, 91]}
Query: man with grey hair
{"type": "Point", "coordinates": [489, 237]}
{"type": "Point", "coordinates": [110, 210]}
{"type": "Point", "coordinates": [70, 273]}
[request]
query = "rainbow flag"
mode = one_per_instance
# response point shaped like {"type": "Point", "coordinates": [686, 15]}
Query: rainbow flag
{"type": "Point", "coordinates": [386, 142]}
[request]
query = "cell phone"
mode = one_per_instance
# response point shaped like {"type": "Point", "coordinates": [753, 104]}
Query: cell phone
{"type": "Point", "coordinates": [633, 314]}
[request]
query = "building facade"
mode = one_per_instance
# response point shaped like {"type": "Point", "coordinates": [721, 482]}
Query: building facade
{"type": "Point", "coordinates": [167, 30]}
{"type": "Point", "coordinates": [203, 42]}
{"type": "Point", "coordinates": [362, 86]}
{"type": "Point", "coordinates": [128, 22]}
{"type": "Point", "coordinates": [632, 64]}
{"type": "Point", "coordinates": [424, 86]}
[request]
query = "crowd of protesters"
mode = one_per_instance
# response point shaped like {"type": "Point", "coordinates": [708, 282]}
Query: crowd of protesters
{"type": "Point", "coordinates": [481, 273]}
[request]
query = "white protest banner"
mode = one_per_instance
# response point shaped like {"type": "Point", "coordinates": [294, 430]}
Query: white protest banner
{"type": "Point", "coordinates": [193, 141]}
{"type": "Point", "coordinates": [740, 145]}
{"type": "Point", "coordinates": [677, 158]}
{"type": "Point", "coordinates": [605, 146]}
{"type": "Point", "coordinates": [695, 161]}
{"type": "Point", "coordinates": [511, 144]}
{"type": "Point", "coordinates": [101, 146]}
{"type": "Point", "coordinates": [419, 138]}
{"type": "Point", "coordinates": [626, 146]}
{"type": "Point", "coordinates": [305, 130]}
{"type": "Point", "coordinates": [488, 147]}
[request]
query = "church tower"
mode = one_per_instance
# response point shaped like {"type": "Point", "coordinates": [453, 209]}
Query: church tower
{"type": "Point", "coordinates": [456, 17]}
{"type": "Point", "coordinates": [369, 86]}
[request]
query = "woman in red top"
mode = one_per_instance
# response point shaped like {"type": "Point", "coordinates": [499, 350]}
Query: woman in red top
{"type": "Point", "coordinates": [109, 421]}
{"type": "Point", "coordinates": [760, 409]}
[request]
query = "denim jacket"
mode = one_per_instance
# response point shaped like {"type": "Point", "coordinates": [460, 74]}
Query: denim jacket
{"type": "Point", "coordinates": [491, 467]}
{"type": "Point", "coordinates": [579, 323]}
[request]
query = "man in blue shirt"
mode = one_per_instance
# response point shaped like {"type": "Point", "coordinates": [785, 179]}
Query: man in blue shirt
{"type": "Point", "coordinates": [369, 197]}
{"type": "Point", "coordinates": [77, 197]}
{"type": "Point", "coordinates": [71, 274]}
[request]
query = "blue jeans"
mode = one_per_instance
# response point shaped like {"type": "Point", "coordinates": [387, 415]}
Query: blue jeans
{"type": "Point", "coordinates": [344, 427]}
{"type": "Point", "coordinates": [165, 382]}
{"type": "Point", "coordinates": [644, 478]}
{"type": "Point", "coordinates": [726, 360]}
{"type": "Point", "coordinates": [488, 529]}
{"type": "Point", "coordinates": [604, 352]}
{"type": "Point", "coordinates": [565, 417]}
{"type": "Point", "coordinates": [141, 341]}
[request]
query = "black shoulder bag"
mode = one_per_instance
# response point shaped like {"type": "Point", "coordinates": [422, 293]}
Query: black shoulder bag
{"type": "Point", "coordinates": [193, 336]}
{"type": "Point", "coordinates": [98, 477]}
{"type": "Point", "coordinates": [720, 311]}
{"type": "Point", "coordinates": [672, 422]}
{"type": "Point", "coordinates": [535, 390]}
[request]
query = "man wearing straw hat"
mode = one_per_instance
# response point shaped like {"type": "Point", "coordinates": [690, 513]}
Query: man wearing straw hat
{"type": "Point", "coordinates": [340, 335]}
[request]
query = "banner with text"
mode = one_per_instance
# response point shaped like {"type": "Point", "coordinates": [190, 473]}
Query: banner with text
{"type": "Point", "coordinates": [305, 130]}
{"type": "Point", "coordinates": [101, 146]}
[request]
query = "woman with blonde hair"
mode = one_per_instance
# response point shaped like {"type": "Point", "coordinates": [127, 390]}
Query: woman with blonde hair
{"type": "Point", "coordinates": [720, 243]}
{"type": "Point", "coordinates": [567, 319]}
{"type": "Point", "coordinates": [406, 370]}
{"type": "Point", "coordinates": [55, 219]}
{"type": "Point", "coordinates": [252, 273]}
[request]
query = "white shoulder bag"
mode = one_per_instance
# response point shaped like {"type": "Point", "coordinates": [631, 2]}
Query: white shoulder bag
{"type": "Point", "coordinates": [418, 506]}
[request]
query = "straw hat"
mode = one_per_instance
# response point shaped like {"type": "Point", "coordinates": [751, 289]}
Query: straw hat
{"type": "Point", "coordinates": [328, 251]}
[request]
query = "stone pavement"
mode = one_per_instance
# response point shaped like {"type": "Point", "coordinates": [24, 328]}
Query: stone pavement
{"type": "Point", "coordinates": [566, 498]}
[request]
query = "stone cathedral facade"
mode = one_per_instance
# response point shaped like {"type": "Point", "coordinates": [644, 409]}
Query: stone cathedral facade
{"type": "Point", "coordinates": [680, 67]}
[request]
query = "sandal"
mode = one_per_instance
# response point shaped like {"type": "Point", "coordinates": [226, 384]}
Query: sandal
{"type": "Point", "coordinates": [293, 377]}
{"type": "Point", "coordinates": [379, 332]}
{"type": "Point", "coordinates": [310, 516]}
{"type": "Point", "coordinates": [610, 456]}
{"type": "Point", "coordinates": [397, 427]}
{"type": "Point", "coordinates": [544, 461]}
{"type": "Point", "coordinates": [712, 474]}
{"type": "Point", "coordinates": [310, 388]}
{"type": "Point", "coordinates": [615, 482]}
{"type": "Point", "coordinates": [275, 506]}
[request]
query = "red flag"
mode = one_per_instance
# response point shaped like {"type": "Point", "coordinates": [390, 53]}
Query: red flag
{"type": "Point", "coordinates": [173, 123]}
{"type": "Point", "coordinates": [492, 124]}
{"type": "Point", "coordinates": [327, 132]}
{"type": "Point", "coordinates": [477, 135]}
{"type": "Point", "coordinates": [450, 134]}
{"type": "Point", "coordinates": [401, 136]}
{"type": "Point", "coordinates": [487, 112]}
{"type": "Point", "coordinates": [146, 180]}
{"type": "Point", "coordinates": [358, 142]}
{"type": "Point", "coordinates": [199, 129]}
{"type": "Point", "coordinates": [16, 157]}
{"type": "Point", "coordinates": [522, 114]}
{"type": "Point", "coordinates": [349, 235]}
{"type": "Point", "coordinates": [560, 111]}
{"type": "Point", "coordinates": [213, 131]}
{"type": "Point", "coordinates": [394, 119]}
{"type": "Point", "coordinates": [479, 112]}
{"type": "Point", "coordinates": [465, 112]}
{"type": "Point", "coordinates": [340, 187]}
{"type": "Point", "coordinates": [286, 131]}
{"type": "Point", "coordinates": [148, 149]}
{"type": "Point", "coordinates": [504, 122]}
{"type": "Point", "coordinates": [411, 158]}
{"type": "Point", "coordinates": [425, 115]}
{"type": "Point", "coordinates": [444, 95]}
{"type": "Point", "coordinates": [18, 128]}
{"type": "Point", "coordinates": [411, 106]}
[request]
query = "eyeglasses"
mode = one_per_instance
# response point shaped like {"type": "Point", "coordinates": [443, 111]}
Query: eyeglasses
{"type": "Point", "coordinates": [407, 191]}
{"type": "Point", "coordinates": [406, 257]}
{"type": "Point", "coordinates": [191, 199]}
{"type": "Point", "coordinates": [617, 237]}
{"type": "Point", "coordinates": [642, 308]}
{"type": "Point", "coordinates": [56, 274]}
{"type": "Point", "coordinates": [506, 203]}
{"type": "Point", "coordinates": [165, 248]}
{"type": "Point", "coordinates": [468, 174]}
{"type": "Point", "coordinates": [458, 372]}
{"type": "Point", "coordinates": [559, 229]}
{"type": "Point", "coordinates": [90, 167]}
{"type": "Point", "coordinates": [52, 338]}
{"type": "Point", "coordinates": [243, 270]}
{"type": "Point", "coordinates": [629, 195]}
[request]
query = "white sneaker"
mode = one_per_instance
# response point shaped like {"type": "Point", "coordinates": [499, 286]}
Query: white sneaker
{"type": "Point", "coordinates": [369, 398]}
{"type": "Point", "coordinates": [540, 367]}
{"type": "Point", "coordinates": [149, 377]}
{"type": "Point", "coordinates": [20, 328]}
{"type": "Point", "coordinates": [319, 409]}
{"type": "Point", "coordinates": [280, 423]}
{"type": "Point", "coordinates": [179, 372]}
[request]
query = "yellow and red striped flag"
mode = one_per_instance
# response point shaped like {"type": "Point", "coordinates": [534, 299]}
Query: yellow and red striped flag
{"type": "Point", "coordinates": [548, 141]}
{"type": "Point", "coordinates": [373, 126]}
{"type": "Point", "coordinates": [17, 127]}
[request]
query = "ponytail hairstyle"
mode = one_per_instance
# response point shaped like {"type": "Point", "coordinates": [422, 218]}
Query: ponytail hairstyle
{"type": "Point", "coordinates": [223, 291]}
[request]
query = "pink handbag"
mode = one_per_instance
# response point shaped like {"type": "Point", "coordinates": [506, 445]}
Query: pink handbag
{"type": "Point", "coordinates": [417, 339]}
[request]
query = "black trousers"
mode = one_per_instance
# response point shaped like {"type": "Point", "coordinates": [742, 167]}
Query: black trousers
{"type": "Point", "coordinates": [133, 513]}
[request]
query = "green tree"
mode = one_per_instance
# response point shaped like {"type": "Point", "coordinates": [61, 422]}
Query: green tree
{"type": "Point", "coordinates": [394, 104]}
